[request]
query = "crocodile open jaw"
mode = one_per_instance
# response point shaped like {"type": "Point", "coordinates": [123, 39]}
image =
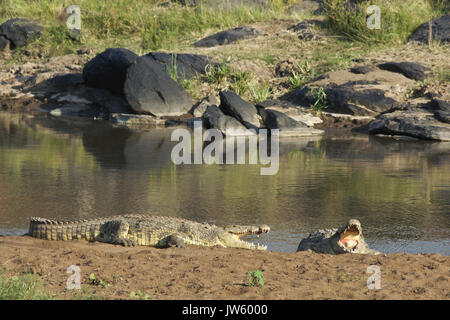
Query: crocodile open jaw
{"type": "Point", "coordinates": [349, 237]}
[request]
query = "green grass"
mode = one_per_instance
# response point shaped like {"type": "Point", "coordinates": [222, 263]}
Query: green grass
{"type": "Point", "coordinates": [399, 19]}
{"type": "Point", "coordinates": [304, 74]}
{"type": "Point", "coordinates": [22, 287]}
{"type": "Point", "coordinates": [98, 282]}
{"type": "Point", "coordinates": [140, 25]}
{"type": "Point", "coordinates": [85, 294]}
{"type": "Point", "coordinates": [321, 102]}
{"type": "Point", "coordinates": [256, 278]}
{"type": "Point", "coordinates": [443, 75]}
{"type": "Point", "coordinates": [260, 91]}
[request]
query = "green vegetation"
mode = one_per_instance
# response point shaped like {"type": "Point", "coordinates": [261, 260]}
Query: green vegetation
{"type": "Point", "coordinates": [398, 19]}
{"type": "Point", "coordinates": [218, 74]}
{"type": "Point", "coordinates": [139, 25]}
{"type": "Point", "coordinates": [98, 282]}
{"type": "Point", "coordinates": [138, 295]}
{"type": "Point", "coordinates": [321, 102]}
{"type": "Point", "coordinates": [22, 287]}
{"type": "Point", "coordinates": [240, 82]}
{"type": "Point", "coordinates": [304, 74]}
{"type": "Point", "coordinates": [256, 278]}
{"type": "Point", "coordinates": [85, 294]}
{"type": "Point", "coordinates": [260, 92]}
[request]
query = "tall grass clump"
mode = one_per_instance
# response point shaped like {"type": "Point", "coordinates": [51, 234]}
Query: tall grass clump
{"type": "Point", "coordinates": [140, 25]}
{"type": "Point", "coordinates": [399, 18]}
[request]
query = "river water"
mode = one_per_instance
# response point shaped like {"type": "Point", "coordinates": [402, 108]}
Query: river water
{"type": "Point", "coordinates": [399, 190]}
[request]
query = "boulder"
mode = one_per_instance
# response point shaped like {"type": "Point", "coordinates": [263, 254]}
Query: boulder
{"type": "Point", "coordinates": [229, 126]}
{"type": "Point", "coordinates": [187, 65]}
{"type": "Point", "coordinates": [233, 105]}
{"type": "Point", "coordinates": [345, 99]}
{"type": "Point", "coordinates": [358, 94]}
{"type": "Point", "coordinates": [410, 70]}
{"type": "Point", "coordinates": [108, 69]}
{"type": "Point", "coordinates": [227, 36]}
{"type": "Point", "coordinates": [19, 31]}
{"type": "Point", "coordinates": [413, 122]}
{"type": "Point", "coordinates": [291, 110]}
{"type": "Point", "coordinates": [150, 90]}
{"type": "Point", "coordinates": [440, 30]}
{"type": "Point", "coordinates": [288, 127]}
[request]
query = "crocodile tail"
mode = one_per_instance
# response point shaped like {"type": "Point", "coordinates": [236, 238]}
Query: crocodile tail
{"type": "Point", "coordinates": [49, 229]}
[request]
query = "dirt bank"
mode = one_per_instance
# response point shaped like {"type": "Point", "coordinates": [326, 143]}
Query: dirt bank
{"type": "Point", "coordinates": [218, 273]}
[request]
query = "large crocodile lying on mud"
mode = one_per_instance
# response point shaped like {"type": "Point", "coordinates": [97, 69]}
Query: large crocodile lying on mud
{"type": "Point", "coordinates": [146, 230]}
{"type": "Point", "coordinates": [346, 239]}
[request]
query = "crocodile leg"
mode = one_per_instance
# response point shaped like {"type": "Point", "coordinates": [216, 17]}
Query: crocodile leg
{"type": "Point", "coordinates": [115, 232]}
{"type": "Point", "coordinates": [174, 240]}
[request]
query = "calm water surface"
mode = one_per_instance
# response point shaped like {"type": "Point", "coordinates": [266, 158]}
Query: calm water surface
{"type": "Point", "coordinates": [81, 169]}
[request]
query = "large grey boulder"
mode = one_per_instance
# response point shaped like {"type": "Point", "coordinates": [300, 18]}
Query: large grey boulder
{"type": "Point", "coordinates": [227, 36]}
{"type": "Point", "coordinates": [187, 65]}
{"type": "Point", "coordinates": [214, 118]}
{"type": "Point", "coordinates": [288, 127]}
{"type": "Point", "coordinates": [357, 92]}
{"type": "Point", "coordinates": [19, 31]}
{"type": "Point", "coordinates": [108, 69]}
{"type": "Point", "coordinates": [440, 30]}
{"type": "Point", "coordinates": [291, 110]}
{"type": "Point", "coordinates": [150, 90]}
{"type": "Point", "coordinates": [413, 122]}
{"type": "Point", "coordinates": [345, 99]}
{"type": "Point", "coordinates": [233, 105]}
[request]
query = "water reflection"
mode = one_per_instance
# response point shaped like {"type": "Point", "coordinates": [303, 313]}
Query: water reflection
{"type": "Point", "coordinates": [72, 168]}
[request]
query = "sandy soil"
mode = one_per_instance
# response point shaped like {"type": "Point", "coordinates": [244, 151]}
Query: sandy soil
{"type": "Point", "coordinates": [218, 273]}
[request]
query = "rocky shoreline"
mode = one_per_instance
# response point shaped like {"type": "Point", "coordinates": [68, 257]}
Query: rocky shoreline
{"type": "Point", "coordinates": [141, 92]}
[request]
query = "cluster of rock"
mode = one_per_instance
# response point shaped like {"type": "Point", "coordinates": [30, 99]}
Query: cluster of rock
{"type": "Point", "coordinates": [137, 90]}
{"type": "Point", "coordinates": [235, 116]}
{"type": "Point", "coordinates": [17, 32]}
{"type": "Point", "coordinates": [147, 89]}
{"type": "Point", "coordinates": [379, 94]}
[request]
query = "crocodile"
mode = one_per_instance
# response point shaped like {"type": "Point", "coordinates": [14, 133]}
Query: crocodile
{"type": "Point", "coordinates": [146, 230]}
{"type": "Point", "coordinates": [347, 239]}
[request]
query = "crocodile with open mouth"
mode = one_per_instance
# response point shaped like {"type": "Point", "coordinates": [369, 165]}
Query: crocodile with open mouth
{"type": "Point", "coordinates": [346, 239]}
{"type": "Point", "coordinates": [146, 230]}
